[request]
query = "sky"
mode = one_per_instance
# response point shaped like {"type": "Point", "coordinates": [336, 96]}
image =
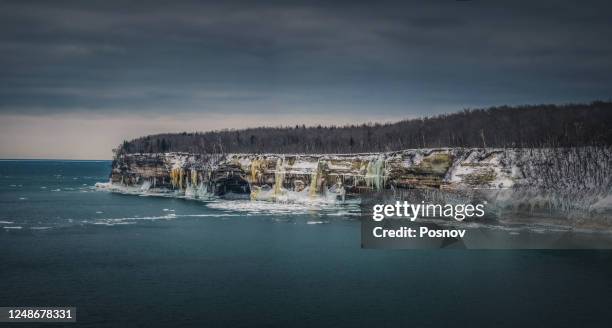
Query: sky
{"type": "Point", "coordinates": [78, 77]}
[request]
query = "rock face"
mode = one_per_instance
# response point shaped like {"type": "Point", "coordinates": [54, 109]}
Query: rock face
{"type": "Point", "coordinates": [287, 177]}
{"type": "Point", "coordinates": [571, 184]}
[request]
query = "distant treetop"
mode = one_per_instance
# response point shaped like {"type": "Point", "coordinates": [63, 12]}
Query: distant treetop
{"type": "Point", "coordinates": [504, 126]}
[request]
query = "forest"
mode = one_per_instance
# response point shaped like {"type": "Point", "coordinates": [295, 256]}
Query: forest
{"type": "Point", "coordinates": [528, 126]}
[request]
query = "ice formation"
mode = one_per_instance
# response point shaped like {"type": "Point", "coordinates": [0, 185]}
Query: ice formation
{"type": "Point", "coordinates": [553, 178]}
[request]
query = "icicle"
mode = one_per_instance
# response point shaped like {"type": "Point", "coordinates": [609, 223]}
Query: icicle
{"type": "Point", "coordinates": [145, 186]}
{"type": "Point", "coordinates": [255, 165]}
{"type": "Point", "coordinates": [314, 180]}
{"type": "Point", "coordinates": [202, 191]}
{"type": "Point", "coordinates": [194, 177]}
{"type": "Point", "coordinates": [279, 176]}
{"type": "Point", "coordinates": [176, 177]}
{"type": "Point", "coordinates": [374, 173]}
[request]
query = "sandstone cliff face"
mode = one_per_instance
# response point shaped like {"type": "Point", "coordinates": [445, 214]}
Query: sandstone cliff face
{"type": "Point", "coordinates": [573, 184]}
{"type": "Point", "coordinates": [283, 177]}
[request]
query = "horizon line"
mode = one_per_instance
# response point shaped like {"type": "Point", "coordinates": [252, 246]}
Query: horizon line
{"type": "Point", "coordinates": [53, 159]}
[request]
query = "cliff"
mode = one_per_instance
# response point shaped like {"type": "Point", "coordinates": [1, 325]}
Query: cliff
{"type": "Point", "coordinates": [336, 176]}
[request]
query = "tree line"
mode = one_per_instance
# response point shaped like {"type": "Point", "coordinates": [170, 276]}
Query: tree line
{"type": "Point", "coordinates": [502, 126]}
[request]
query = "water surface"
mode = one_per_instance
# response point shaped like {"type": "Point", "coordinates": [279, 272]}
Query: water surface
{"type": "Point", "coordinates": [151, 261]}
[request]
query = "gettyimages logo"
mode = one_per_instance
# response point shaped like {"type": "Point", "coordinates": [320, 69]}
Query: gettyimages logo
{"type": "Point", "coordinates": [406, 210]}
{"type": "Point", "coordinates": [417, 225]}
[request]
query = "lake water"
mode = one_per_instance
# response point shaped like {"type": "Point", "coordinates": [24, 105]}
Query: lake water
{"type": "Point", "coordinates": [150, 261]}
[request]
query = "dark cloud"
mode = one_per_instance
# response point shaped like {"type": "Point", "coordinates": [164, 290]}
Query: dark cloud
{"type": "Point", "coordinates": [404, 58]}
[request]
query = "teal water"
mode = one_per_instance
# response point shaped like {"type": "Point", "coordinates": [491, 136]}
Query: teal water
{"type": "Point", "coordinates": [149, 261]}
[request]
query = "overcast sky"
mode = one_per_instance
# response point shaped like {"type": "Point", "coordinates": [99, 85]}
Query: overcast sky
{"type": "Point", "coordinates": [76, 78]}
